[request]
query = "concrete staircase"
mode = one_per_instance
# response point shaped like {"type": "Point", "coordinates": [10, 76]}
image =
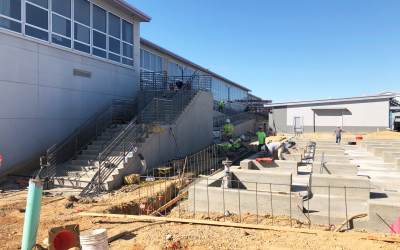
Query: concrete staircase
{"type": "Point", "coordinates": [82, 170]}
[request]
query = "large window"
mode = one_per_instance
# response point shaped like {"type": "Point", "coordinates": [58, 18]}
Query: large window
{"type": "Point", "coordinates": [175, 69]}
{"type": "Point", "coordinates": [234, 97]}
{"type": "Point", "coordinates": [76, 24]}
{"type": "Point", "coordinates": [150, 62]}
{"type": "Point", "coordinates": [10, 15]}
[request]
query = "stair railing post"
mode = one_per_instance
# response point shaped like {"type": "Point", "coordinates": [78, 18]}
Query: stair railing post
{"type": "Point", "coordinates": [124, 142]}
{"type": "Point", "coordinates": [76, 142]}
{"type": "Point", "coordinates": [99, 174]}
{"type": "Point", "coordinates": [156, 110]}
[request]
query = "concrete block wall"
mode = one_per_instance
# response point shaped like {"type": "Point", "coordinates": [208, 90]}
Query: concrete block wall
{"type": "Point", "coordinates": [361, 185]}
{"type": "Point", "coordinates": [341, 169]}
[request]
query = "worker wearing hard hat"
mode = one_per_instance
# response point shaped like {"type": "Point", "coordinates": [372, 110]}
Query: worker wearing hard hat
{"type": "Point", "coordinates": [261, 137]}
{"type": "Point", "coordinates": [221, 106]}
{"type": "Point", "coordinates": [239, 143]}
{"type": "Point", "coordinates": [228, 129]}
{"type": "Point", "coordinates": [273, 148]}
{"type": "Point", "coordinates": [338, 133]}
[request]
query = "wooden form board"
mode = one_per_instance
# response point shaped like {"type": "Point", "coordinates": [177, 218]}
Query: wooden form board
{"type": "Point", "coordinates": [242, 225]}
{"type": "Point", "coordinates": [170, 203]}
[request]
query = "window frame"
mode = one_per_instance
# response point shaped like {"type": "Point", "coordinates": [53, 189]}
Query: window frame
{"type": "Point", "coordinates": [150, 53]}
{"type": "Point", "coordinates": [90, 29]}
{"type": "Point", "coordinates": [33, 26]}
{"type": "Point", "coordinates": [16, 20]}
{"type": "Point", "coordinates": [51, 12]}
{"type": "Point", "coordinates": [93, 29]}
{"type": "Point", "coordinates": [108, 37]}
{"type": "Point", "coordinates": [122, 43]}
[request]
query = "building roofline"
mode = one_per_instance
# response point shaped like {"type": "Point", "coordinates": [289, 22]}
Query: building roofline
{"type": "Point", "coordinates": [172, 54]}
{"type": "Point", "coordinates": [360, 98]}
{"type": "Point", "coordinates": [137, 13]}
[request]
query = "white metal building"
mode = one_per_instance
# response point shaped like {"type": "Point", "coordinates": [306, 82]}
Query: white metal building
{"type": "Point", "coordinates": [364, 114]}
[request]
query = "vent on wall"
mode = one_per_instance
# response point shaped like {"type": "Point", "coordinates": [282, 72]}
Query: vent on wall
{"type": "Point", "coordinates": [82, 73]}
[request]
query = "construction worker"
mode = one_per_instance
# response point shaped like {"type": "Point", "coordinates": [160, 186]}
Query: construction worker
{"type": "Point", "coordinates": [221, 106]}
{"type": "Point", "coordinates": [338, 133]}
{"type": "Point", "coordinates": [273, 148]}
{"type": "Point", "coordinates": [228, 129]}
{"type": "Point", "coordinates": [228, 148]}
{"type": "Point", "coordinates": [239, 143]}
{"type": "Point", "coordinates": [261, 137]}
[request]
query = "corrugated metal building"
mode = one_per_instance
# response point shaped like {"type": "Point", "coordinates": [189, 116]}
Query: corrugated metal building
{"type": "Point", "coordinates": [364, 114]}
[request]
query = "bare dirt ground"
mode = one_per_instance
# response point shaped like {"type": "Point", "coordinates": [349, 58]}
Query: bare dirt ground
{"type": "Point", "coordinates": [165, 236]}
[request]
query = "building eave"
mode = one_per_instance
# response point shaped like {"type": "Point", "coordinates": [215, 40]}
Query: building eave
{"type": "Point", "coordinates": [172, 54]}
{"type": "Point", "coordinates": [322, 101]}
{"type": "Point", "coordinates": [139, 15]}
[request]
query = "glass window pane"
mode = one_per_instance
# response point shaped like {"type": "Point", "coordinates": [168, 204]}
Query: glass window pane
{"type": "Point", "coordinates": [10, 25]}
{"type": "Point", "coordinates": [99, 40]}
{"type": "Point", "coordinates": [99, 19]}
{"type": "Point", "coordinates": [61, 26]}
{"type": "Point", "coordinates": [82, 33]}
{"type": "Point", "coordinates": [82, 12]}
{"type": "Point", "coordinates": [61, 41]}
{"type": "Point", "coordinates": [127, 32]}
{"type": "Point", "coordinates": [11, 8]}
{"type": "Point", "coordinates": [42, 3]}
{"type": "Point", "coordinates": [99, 53]}
{"type": "Point", "coordinates": [141, 58]}
{"type": "Point", "coordinates": [146, 60]}
{"type": "Point", "coordinates": [170, 68]}
{"type": "Point", "coordinates": [62, 7]}
{"type": "Point", "coordinates": [159, 63]}
{"type": "Point", "coordinates": [114, 45]}
{"type": "Point", "coordinates": [114, 58]}
{"type": "Point", "coordinates": [127, 50]}
{"type": "Point", "coordinates": [114, 25]}
{"type": "Point", "coordinates": [37, 16]}
{"type": "Point", "coordinates": [40, 34]}
{"type": "Point", "coordinates": [153, 62]}
{"type": "Point", "coordinates": [82, 47]}
{"type": "Point", "coordinates": [127, 61]}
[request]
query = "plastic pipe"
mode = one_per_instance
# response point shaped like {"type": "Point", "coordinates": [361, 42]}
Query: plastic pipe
{"type": "Point", "coordinates": [32, 213]}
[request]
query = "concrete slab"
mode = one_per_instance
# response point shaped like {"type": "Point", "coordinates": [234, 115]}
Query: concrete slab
{"type": "Point", "coordinates": [344, 169]}
{"type": "Point", "coordinates": [365, 143]}
{"type": "Point", "coordinates": [378, 152]}
{"type": "Point", "coordinates": [397, 163]}
{"type": "Point", "coordinates": [370, 147]}
{"type": "Point", "coordinates": [356, 186]}
{"type": "Point", "coordinates": [329, 151]}
{"type": "Point", "coordinates": [332, 158]}
{"type": "Point", "coordinates": [276, 165]}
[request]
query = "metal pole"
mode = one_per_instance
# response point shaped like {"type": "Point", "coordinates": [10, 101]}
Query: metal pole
{"type": "Point", "coordinates": [124, 142]}
{"type": "Point", "coordinates": [140, 210]}
{"type": "Point", "coordinates": [165, 195]}
{"type": "Point", "coordinates": [99, 173]}
{"type": "Point", "coordinates": [290, 204]}
{"type": "Point", "coordinates": [256, 203]}
{"type": "Point", "coordinates": [194, 201]}
{"type": "Point", "coordinates": [223, 196]}
{"type": "Point", "coordinates": [329, 207]}
{"type": "Point", "coordinates": [308, 207]}
{"type": "Point", "coordinates": [272, 209]}
{"type": "Point", "coordinates": [345, 200]}
{"type": "Point", "coordinates": [208, 202]}
{"type": "Point", "coordinates": [240, 214]}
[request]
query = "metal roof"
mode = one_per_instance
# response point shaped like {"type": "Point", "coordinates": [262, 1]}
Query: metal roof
{"type": "Point", "coordinates": [135, 12]}
{"type": "Point", "coordinates": [387, 92]}
{"type": "Point", "coordinates": [323, 101]}
{"type": "Point", "coordinates": [328, 108]}
{"type": "Point", "coordinates": [155, 46]}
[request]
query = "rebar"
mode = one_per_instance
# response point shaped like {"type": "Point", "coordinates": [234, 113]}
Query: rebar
{"type": "Point", "coordinates": [308, 206]}
{"type": "Point", "coordinates": [140, 209]}
{"type": "Point", "coordinates": [194, 199]}
{"type": "Point", "coordinates": [240, 214]}
{"type": "Point", "coordinates": [329, 207]}
{"type": "Point", "coordinates": [223, 197]}
{"type": "Point", "coordinates": [345, 200]}
{"type": "Point", "coordinates": [257, 203]}
{"type": "Point", "coordinates": [290, 204]}
{"type": "Point", "coordinates": [272, 209]}
{"type": "Point", "coordinates": [208, 202]}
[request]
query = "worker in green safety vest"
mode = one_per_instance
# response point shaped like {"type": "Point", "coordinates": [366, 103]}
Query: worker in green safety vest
{"type": "Point", "coordinates": [228, 129]}
{"type": "Point", "coordinates": [239, 143]}
{"type": "Point", "coordinates": [221, 106]}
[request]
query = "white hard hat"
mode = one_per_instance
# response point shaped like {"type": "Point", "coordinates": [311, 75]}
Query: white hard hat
{"type": "Point", "coordinates": [231, 140]}
{"type": "Point", "coordinates": [242, 137]}
{"type": "Point", "coordinates": [338, 126]}
{"type": "Point", "coordinates": [263, 148]}
{"type": "Point", "coordinates": [228, 121]}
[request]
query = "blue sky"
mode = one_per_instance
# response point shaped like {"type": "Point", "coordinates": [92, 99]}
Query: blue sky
{"type": "Point", "coordinates": [288, 49]}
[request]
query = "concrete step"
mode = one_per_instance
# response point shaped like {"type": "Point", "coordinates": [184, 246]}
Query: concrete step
{"type": "Point", "coordinates": [95, 147]}
{"type": "Point", "coordinates": [86, 157]}
{"type": "Point", "coordinates": [103, 138]}
{"type": "Point", "coordinates": [80, 162]}
{"type": "Point", "coordinates": [100, 142]}
{"type": "Point", "coordinates": [91, 152]}
{"type": "Point", "coordinates": [71, 182]}
{"type": "Point", "coordinates": [77, 174]}
{"type": "Point", "coordinates": [80, 167]}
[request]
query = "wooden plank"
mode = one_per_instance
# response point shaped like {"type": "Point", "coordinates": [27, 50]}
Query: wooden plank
{"type": "Point", "coordinates": [170, 203]}
{"type": "Point", "coordinates": [242, 225]}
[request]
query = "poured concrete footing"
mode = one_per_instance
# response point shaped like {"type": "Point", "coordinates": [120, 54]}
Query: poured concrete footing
{"type": "Point", "coordinates": [378, 152]}
{"type": "Point", "coordinates": [390, 157]}
{"type": "Point", "coordinates": [276, 165]}
{"type": "Point", "coordinates": [341, 169]}
{"type": "Point", "coordinates": [357, 186]}
{"type": "Point", "coordinates": [333, 158]}
{"type": "Point", "coordinates": [329, 152]}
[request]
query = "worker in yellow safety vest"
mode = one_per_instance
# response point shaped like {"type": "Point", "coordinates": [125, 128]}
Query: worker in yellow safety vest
{"type": "Point", "coordinates": [221, 106]}
{"type": "Point", "coordinates": [239, 143]}
{"type": "Point", "coordinates": [228, 129]}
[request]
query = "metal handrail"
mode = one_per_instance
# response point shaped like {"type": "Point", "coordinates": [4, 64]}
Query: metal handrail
{"type": "Point", "coordinates": [220, 121]}
{"type": "Point", "coordinates": [112, 156]}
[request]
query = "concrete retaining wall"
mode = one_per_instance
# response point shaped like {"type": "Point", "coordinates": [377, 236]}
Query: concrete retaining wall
{"type": "Point", "coordinates": [333, 158]}
{"type": "Point", "coordinates": [248, 179]}
{"type": "Point", "coordinates": [390, 156]}
{"type": "Point", "coordinates": [370, 147]}
{"type": "Point", "coordinates": [379, 151]}
{"type": "Point", "coordinates": [277, 165]}
{"type": "Point", "coordinates": [343, 169]}
{"type": "Point", "coordinates": [329, 151]}
{"type": "Point", "coordinates": [341, 181]}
